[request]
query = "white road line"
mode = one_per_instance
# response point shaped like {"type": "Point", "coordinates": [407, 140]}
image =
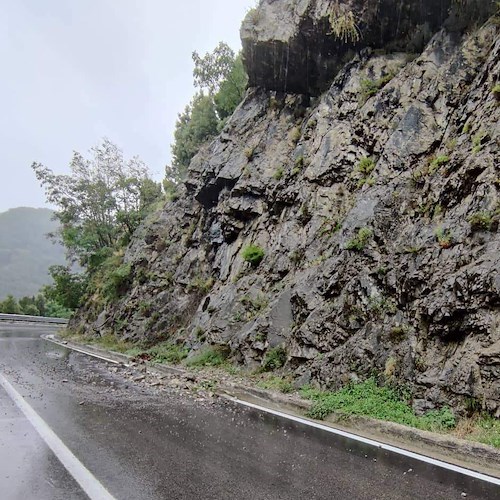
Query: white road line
{"type": "Point", "coordinates": [89, 484]}
{"type": "Point", "coordinates": [371, 442]}
{"type": "Point", "coordinates": [355, 437]}
{"type": "Point", "coordinates": [98, 356]}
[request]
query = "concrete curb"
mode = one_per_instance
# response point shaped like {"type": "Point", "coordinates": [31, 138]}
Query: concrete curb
{"type": "Point", "coordinates": [468, 454]}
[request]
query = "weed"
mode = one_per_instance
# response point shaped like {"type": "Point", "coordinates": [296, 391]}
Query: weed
{"type": "Point", "coordinates": [250, 153]}
{"type": "Point", "coordinates": [437, 163]}
{"type": "Point", "coordinates": [295, 135]}
{"type": "Point", "coordinates": [366, 166]}
{"type": "Point", "coordinates": [253, 254]}
{"type": "Point", "coordinates": [145, 308]}
{"type": "Point", "coordinates": [297, 256]}
{"type": "Point", "coordinates": [383, 403]}
{"type": "Point", "coordinates": [343, 24]}
{"type": "Point", "coordinates": [200, 334]}
{"type": "Point", "coordinates": [444, 238]}
{"type": "Point", "coordinates": [281, 384]}
{"type": "Point", "coordinates": [398, 333]}
{"type": "Point", "coordinates": [274, 359]}
{"type": "Point", "coordinates": [481, 221]}
{"type": "Point", "coordinates": [201, 284]}
{"type": "Point", "coordinates": [369, 88]}
{"type": "Point", "coordinates": [254, 305]}
{"type": "Point", "coordinates": [478, 141]}
{"type": "Point", "coordinates": [391, 366]}
{"type": "Point", "coordinates": [209, 356]}
{"type": "Point", "coordinates": [496, 91]}
{"type": "Point", "coordinates": [329, 227]}
{"type": "Point", "coordinates": [361, 239]}
{"type": "Point", "coordinates": [117, 281]}
{"type": "Point", "coordinates": [299, 162]}
{"type": "Point", "coordinates": [278, 174]}
{"type": "Point", "coordinates": [166, 352]}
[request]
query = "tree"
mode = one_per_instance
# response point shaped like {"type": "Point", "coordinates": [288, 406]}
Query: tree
{"type": "Point", "coordinates": [196, 125]}
{"type": "Point", "coordinates": [222, 76]}
{"type": "Point", "coordinates": [232, 90]}
{"type": "Point", "coordinates": [10, 306]}
{"type": "Point", "coordinates": [68, 288]}
{"type": "Point", "coordinates": [213, 68]}
{"type": "Point", "coordinates": [103, 199]}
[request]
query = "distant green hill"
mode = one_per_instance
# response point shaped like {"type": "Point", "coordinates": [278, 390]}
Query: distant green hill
{"type": "Point", "coordinates": [25, 251]}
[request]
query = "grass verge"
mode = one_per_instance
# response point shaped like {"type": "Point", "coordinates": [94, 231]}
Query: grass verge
{"type": "Point", "coordinates": [383, 403]}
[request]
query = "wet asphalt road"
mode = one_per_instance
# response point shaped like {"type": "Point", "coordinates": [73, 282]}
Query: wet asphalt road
{"type": "Point", "coordinates": [144, 443]}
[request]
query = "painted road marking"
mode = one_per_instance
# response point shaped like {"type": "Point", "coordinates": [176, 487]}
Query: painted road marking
{"type": "Point", "coordinates": [50, 338]}
{"type": "Point", "coordinates": [87, 481]}
{"type": "Point", "coordinates": [355, 437]}
{"type": "Point", "coordinates": [372, 442]}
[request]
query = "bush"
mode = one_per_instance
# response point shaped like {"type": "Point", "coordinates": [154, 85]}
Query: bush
{"type": "Point", "coordinates": [274, 359]}
{"type": "Point", "coordinates": [117, 281]}
{"type": "Point", "coordinates": [253, 254]}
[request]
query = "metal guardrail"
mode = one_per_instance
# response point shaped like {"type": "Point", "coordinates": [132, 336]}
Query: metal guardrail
{"type": "Point", "coordinates": [32, 319]}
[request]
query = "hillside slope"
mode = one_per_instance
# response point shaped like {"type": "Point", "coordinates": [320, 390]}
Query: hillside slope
{"type": "Point", "coordinates": [25, 251]}
{"type": "Point", "coordinates": [376, 203]}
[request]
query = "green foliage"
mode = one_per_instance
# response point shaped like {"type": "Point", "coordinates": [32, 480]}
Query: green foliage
{"type": "Point", "coordinates": [194, 126]}
{"type": "Point", "coordinates": [366, 166]}
{"type": "Point", "coordinates": [486, 430]}
{"type": "Point", "coordinates": [274, 359]}
{"type": "Point", "coordinates": [166, 352]}
{"type": "Point", "coordinates": [209, 356]}
{"type": "Point", "coordinates": [253, 254]}
{"type": "Point", "coordinates": [478, 140]}
{"type": "Point", "coordinates": [231, 91]}
{"type": "Point", "coordinates": [222, 76]}
{"type": "Point", "coordinates": [281, 384]}
{"type": "Point", "coordinates": [113, 278]}
{"type": "Point", "coordinates": [444, 238]}
{"type": "Point", "coordinates": [201, 284]}
{"type": "Point", "coordinates": [481, 221]}
{"type": "Point", "coordinates": [383, 403]}
{"type": "Point", "coordinates": [253, 305]}
{"type": "Point", "coordinates": [370, 87]}
{"type": "Point", "coordinates": [100, 202]}
{"type": "Point", "coordinates": [496, 91]}
{"type": "Point", "coordinates": [279, 173]}
{"type": "Point", "coordinates": [361, 239]}
{"type": "Point", "coordinates": [437, 163]}
{"type": "Point", "coordinates": [68, 288]}
{"type": "Point", "coordinates": [10, 306]}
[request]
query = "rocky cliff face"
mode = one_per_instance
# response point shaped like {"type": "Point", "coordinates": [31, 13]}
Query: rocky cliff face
{"type": "Point", "coordinates": [376, 203]}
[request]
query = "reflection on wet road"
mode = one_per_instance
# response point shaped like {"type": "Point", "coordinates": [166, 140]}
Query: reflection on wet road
{"type": "Point", "coordinates": [143, 442]}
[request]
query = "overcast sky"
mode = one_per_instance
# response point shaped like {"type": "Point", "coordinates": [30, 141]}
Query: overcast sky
{"type": "Point", "coordinates": [74, 71]}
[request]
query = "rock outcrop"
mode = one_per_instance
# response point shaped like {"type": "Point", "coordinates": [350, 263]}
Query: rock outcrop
{"type": "Point", "coordinates": [376, 204]}
{"type": "Point", "coordinates": [298, 46]}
